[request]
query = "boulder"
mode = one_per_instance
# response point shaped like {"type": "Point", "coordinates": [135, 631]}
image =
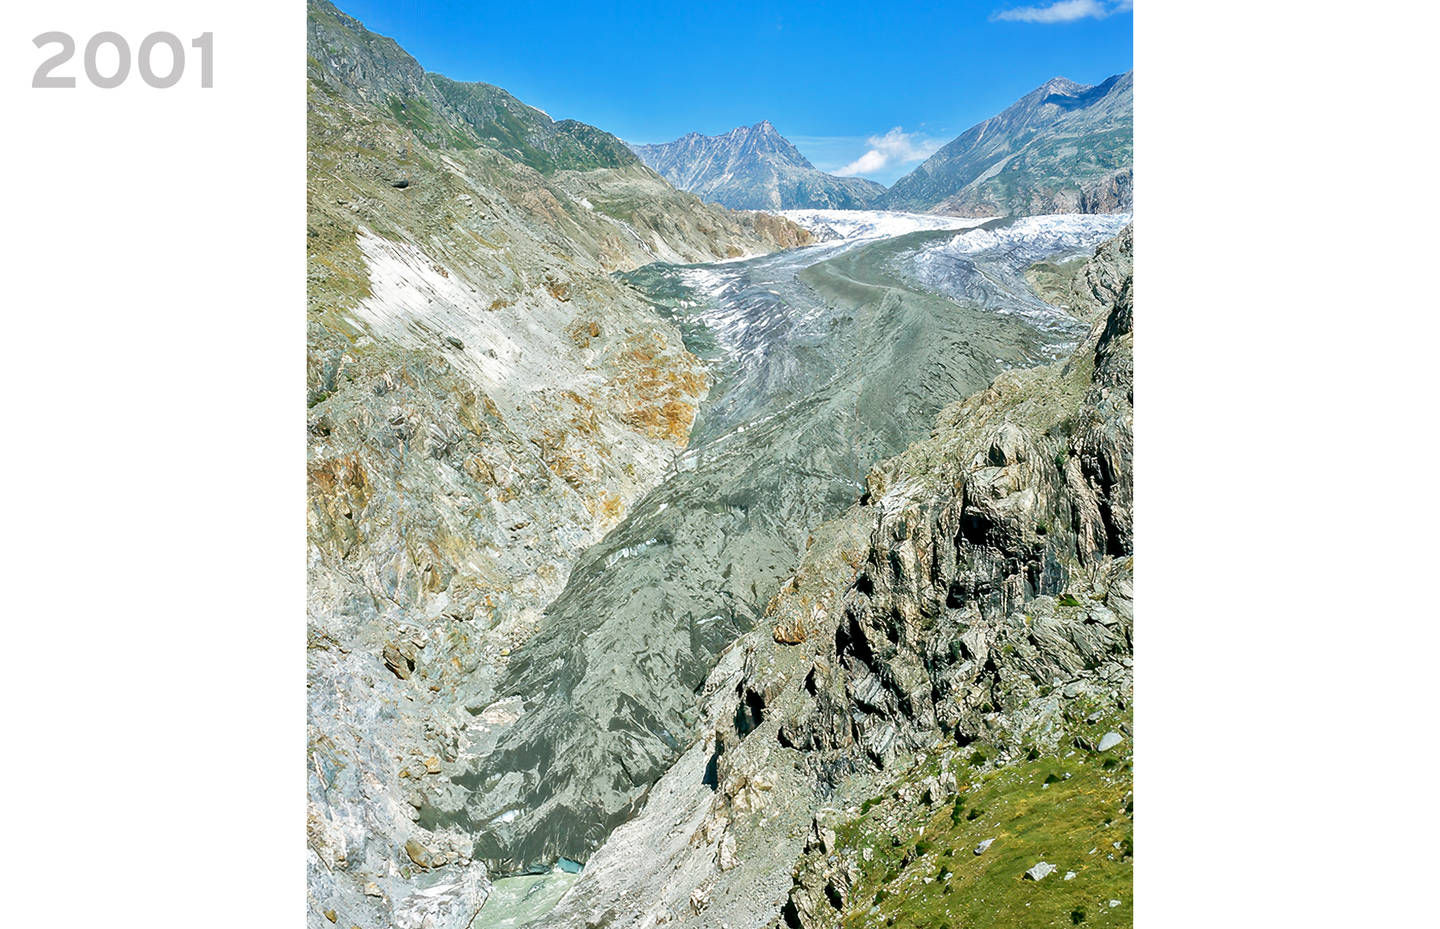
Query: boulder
{"type": "Point", "coordinates": [418, 853]}
{"type": "Point", "coordinates": [400, 659]}
{"type": "Point", "coordinates": [1040, 870]}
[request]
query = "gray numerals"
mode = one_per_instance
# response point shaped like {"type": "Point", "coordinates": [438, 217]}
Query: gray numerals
{"type": "Point", "coordinates": [155, 73]}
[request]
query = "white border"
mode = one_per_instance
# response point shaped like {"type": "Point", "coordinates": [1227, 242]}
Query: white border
{"type": "Point", "coordinates": [153, 285]}
{"type": "Point", "coordinates": [1285, 514]}
{"type": "Point", "coordinates": [153, 459]}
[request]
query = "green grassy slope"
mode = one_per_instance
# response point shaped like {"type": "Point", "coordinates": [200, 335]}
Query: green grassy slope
{"type": "Point", "coordinates": [1073, 809]}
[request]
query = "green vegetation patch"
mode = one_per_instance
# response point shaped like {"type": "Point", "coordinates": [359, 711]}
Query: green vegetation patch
{"type": "Point", "coordinates": [1051, 279]}
{"type": "Point", "coordinates": [1074, 812]}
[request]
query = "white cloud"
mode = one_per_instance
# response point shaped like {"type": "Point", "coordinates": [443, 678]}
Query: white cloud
{"type": "Point", "coordinates": [895, 147]}
{"type": "Point", "coordinates": [1064, 11]}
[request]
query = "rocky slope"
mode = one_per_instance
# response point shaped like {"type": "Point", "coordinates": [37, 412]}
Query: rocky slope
{"type": "Point", "coordinates": [823, 361]}
{"type": "Point", "coordinates": [1062, 148]}
{"type": "Point", "coordinates": [938, 699]}
{"type": "Point", "coordinates": [755, 168]}
{"type": "Point", "coordinates": [485, 403]}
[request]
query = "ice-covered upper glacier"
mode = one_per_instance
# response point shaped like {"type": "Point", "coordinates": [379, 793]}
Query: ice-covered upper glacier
{"type": "Point", "coordinates": [1029, 235]}
{"type": "Point", "coordinates": [828, 225]}
{"type": "Point", "coordinates": [985, 266]}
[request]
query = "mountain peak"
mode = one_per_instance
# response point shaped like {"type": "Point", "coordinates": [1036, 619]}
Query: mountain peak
{"type": "Point", "coordinates": [1011, 164]}
{"type": "Point", "coordinates": [754, 168]}
{"type": "Point", "coordinates": [1057, 85]}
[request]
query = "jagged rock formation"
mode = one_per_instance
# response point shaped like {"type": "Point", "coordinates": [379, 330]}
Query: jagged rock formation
{"type": "Point", "coordinates": [755, 168]}
{"type": "Point", "coordinates": [485, 402]}
{"type": "Point", "coordinates": [1062, 148]}
{"type": "Point", "coordinates": [978, 597]}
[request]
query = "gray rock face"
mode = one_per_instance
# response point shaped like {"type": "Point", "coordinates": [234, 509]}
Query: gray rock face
{"type": "Point", "coordinates": [754, 168]}
{"type": "Point", "coordinates": [1062, 148]}
{"type": "Point", "coordinates": [727, 856]}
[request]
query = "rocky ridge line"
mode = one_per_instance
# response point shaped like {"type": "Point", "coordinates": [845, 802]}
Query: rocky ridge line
{"type": "Point", "coordinates": [1062, 148]}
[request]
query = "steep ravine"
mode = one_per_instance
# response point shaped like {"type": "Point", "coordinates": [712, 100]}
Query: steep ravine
{"type": "Point", "coordinates": [937, 700]}
{"type": "Point", "coordinates": [484, 402]}
{"type": "Point", "coordinates": [822, 361]}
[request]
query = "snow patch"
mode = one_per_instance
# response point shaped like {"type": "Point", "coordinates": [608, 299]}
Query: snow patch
{"type": "Point", "coordinates": [414, 300]}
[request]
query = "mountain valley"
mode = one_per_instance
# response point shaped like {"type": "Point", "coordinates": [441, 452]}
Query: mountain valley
{"type": "Point", "coordinates": [670, 548]}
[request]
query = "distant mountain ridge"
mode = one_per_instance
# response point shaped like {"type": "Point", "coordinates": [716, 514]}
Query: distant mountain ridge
{"type": "Point", "coordinates": [1062, 148]}
{"type": "Point", "coordinates": [754, 168]}
{"type": "Point", "coordinates": [365, 68]}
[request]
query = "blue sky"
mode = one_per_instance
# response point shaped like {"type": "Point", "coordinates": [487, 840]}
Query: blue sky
{"type": "Point", "coordinates": [860, 88]}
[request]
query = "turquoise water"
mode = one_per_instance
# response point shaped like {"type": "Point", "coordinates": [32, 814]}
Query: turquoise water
{"type": "Point", "coordinates": [516, 900]}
